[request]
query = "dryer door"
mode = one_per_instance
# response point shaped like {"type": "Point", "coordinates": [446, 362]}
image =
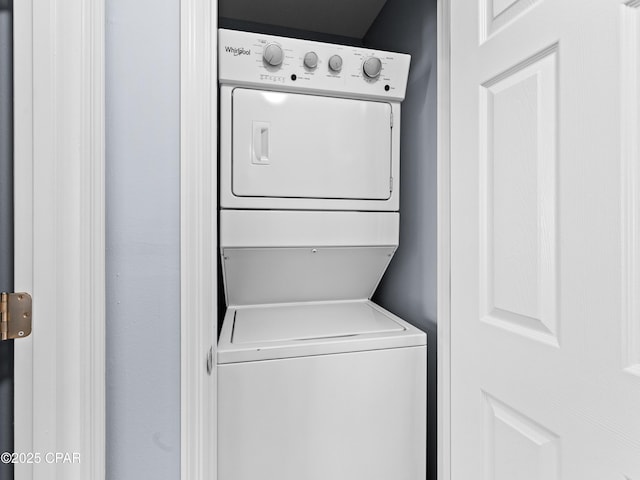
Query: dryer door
{"type": "Point", "coordinates": [304, 146]}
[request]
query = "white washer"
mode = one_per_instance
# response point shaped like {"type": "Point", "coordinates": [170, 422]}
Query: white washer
{"type": "Point", "coordinates": [315, 381]}
{"type": "Point", "coordinates": [328, 390]}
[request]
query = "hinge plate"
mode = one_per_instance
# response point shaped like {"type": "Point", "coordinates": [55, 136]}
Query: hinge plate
{"type": "Point", "coordinates": [15, 315]}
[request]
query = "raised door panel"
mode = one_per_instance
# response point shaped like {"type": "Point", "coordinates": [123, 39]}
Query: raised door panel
{"type": "Point", "coordinates": [516, 446]}
{"type": "Point", "coordinates": [518, 199]}
{"type": "Point", "coordinates": [498, 14]}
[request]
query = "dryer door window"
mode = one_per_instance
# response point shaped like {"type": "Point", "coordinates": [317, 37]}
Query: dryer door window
{"type": "Point", "coordinates": [304, 146]}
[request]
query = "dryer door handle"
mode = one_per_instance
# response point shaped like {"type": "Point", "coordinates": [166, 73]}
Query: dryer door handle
{"type": "Point", "coordinates": [260, 143]}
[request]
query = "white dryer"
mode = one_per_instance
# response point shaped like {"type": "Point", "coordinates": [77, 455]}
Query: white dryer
{"type": "Point", "coordinates": [315, 381]}
{"type": "Point", "coordinates": [300, 135]}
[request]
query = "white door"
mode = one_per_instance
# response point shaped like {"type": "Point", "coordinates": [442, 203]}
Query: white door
{"type": "Point", "coordinates": [304, 146]}
{"type": "Point", "coordinates": [59, 387]}
{"type": "Point", "coordinates": [545, 239]}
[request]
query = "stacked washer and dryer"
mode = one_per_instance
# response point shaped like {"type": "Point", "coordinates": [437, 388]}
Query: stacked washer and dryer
{"type": "Point", "coordinates": [315, 381]}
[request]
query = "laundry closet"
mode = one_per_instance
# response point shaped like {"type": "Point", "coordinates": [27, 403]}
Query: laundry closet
{"type": "Point", "coordinates": [322, 282]}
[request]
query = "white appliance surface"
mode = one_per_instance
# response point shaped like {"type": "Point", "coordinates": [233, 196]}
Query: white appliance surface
{"type": "Point", "coordinates": [306, 146]}
{"type": "Point", "coordinates": [241, 61]}
{"type": "Point", "coordinates": [354, 416]}
{"type": "Point", "coordinates": [293, 152]}
{"type": "Point", "coordinates": [278, 275]}
{"type": "Point", "coordinates": [268, 332]}
{"type": "Point", "coordinates": [256, 156]}
{"type": "Point", "coordinates": [296, 228]}
{"type": "Point", "coordinates": [296, 135]}
{"type": "Point", "coordinates": [304, 322]}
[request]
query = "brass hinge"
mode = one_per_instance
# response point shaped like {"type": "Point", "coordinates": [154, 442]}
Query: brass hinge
{"type": "Point", "coordinates": [15, 315]}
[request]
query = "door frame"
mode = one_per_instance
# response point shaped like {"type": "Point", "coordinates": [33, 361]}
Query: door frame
{"type": "Point", "coordinates": [444, 241]}
{"type": "Point", "coordinates": [199, 231]}
{"type": "Point", "coordinates": [60, 233]}
{"type": "Point", "coordinates": [198, 236]}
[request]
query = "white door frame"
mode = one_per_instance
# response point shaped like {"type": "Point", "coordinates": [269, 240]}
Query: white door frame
{"type": "Point", "coordinates": [198, 236]}
{"type": "Point", "coordinates": [59, 234]}
{"type": "Point", "coordinates": [198, 158]}
{"type": "Point", "coordinates": [444, 244]}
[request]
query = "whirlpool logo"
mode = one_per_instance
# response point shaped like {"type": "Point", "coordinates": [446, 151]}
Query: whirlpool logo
{"type": "Point", "coordinates": [237, 51]}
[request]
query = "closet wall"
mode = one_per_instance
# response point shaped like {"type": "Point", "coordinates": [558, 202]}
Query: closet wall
{"type": "Point", "coordinates": [409, 286]}
{"type": "Point", "coordinates": [143, 239]}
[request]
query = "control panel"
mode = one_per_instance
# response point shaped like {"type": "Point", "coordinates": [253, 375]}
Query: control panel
{"type": "Point", "coordinates": [280, 63]}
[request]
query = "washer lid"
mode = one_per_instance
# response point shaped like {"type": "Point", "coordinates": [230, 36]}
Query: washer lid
{"type": "Point", "coordinates": [308, 322]}
{"type": "Point", "coordinates": [294, 330]}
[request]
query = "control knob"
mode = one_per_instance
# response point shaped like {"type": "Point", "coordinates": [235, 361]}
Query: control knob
{"type": "Point", "coordinates": [372, 67]}
{"type": "Point", "coordinates": [335, 63]}
{"type": "Point", "coordinates": [273, 54]}
{"type": "Point", "coordinates": [311, 60]}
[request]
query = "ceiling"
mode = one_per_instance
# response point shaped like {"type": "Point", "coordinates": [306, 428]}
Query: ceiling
{"type": "Point", "coordinates": [347, 18]}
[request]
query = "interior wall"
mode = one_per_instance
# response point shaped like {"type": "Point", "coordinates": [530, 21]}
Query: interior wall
{"type": "Point", "coordinates": [245, 26]}
{"type": "Point", "coordinates": [143, 233]}
{"type": "Point", "coordinates": [409, 286]}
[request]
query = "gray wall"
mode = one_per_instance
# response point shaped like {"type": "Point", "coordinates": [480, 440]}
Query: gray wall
{"type": "Point", "coordinates": [245, 26]}
{"type": "Point", "coordinates": [409, 287]}
{"type": "Point", "coordinates": [143, 277]}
